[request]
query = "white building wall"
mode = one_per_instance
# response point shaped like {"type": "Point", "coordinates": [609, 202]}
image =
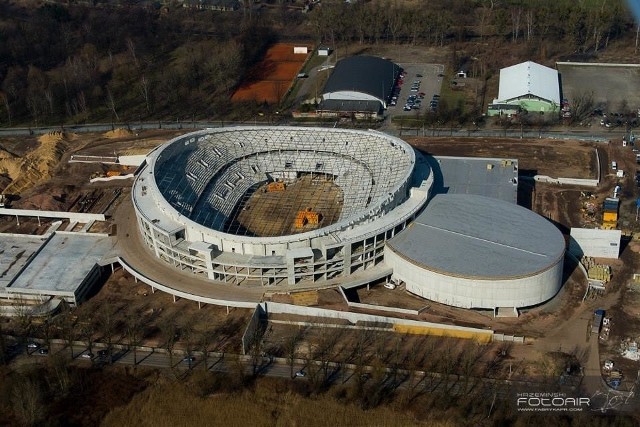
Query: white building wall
{"type": "Point", "coordinates": [595, 243]}
{"type": "Point", "coordinates": [353, 96]}
{"type": "Point", "coordinates": [475, 293]}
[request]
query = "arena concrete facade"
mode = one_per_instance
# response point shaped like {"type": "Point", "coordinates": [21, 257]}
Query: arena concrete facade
{"type": "Point", "coordinates": [187, 189]}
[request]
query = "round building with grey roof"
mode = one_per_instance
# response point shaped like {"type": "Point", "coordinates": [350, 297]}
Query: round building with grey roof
{"type": "Point", "coordinates": [473, 251]}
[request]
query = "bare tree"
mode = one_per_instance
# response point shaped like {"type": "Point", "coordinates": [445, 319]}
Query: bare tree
{"type": "Point", "coordinates": [582, 104]}
{"type": "Point", "coordinates": [27, 401]}
{"type": "Point", "coordinates": [169, 333]}
{"type": "Point", "coordinates": [529, 17]}
{"type": "Point", "coordinates": [86, 332]}
{"type": "Point", "coordinates": [107, 324]}
{"type": "Point", "coordinates": [131, 48]}
{"type": "Point", "coordinates": [111, 103]}
{"type": "Point", "coordinates": [7, 105]}
{"type": "Point", "coordinates": [134, 330]}
{"type": "Point", "coordinates": [205, 339]}
{"type": "Point", "coordinates": [60, 380]}
{"type": "Point", "coordinates": [144, 91]}
{"type": "Point", "coordinates": [516, 15]}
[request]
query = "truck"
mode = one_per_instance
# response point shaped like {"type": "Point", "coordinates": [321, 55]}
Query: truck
{"type": "Point", "coordinates": [598, 315]}
{"type": "Point", "coordinates": [610, 209]}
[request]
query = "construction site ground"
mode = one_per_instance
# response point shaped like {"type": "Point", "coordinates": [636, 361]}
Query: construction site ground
{"type": "Point", "coordinates": [126, 298]}
{"type": "Point", "coordinates": [59, 185]}
{"type": "Point", "coordinates": [273, 213]}
{"type": "Point", "coordinates": [35, 173]}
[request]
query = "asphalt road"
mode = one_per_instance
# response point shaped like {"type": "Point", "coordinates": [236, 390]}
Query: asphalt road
{"type": "Point", "coordinates": [336, 373]}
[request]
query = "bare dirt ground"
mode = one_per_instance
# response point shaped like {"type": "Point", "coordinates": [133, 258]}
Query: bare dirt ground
{"type": "Point", "coordinates": [274, 213]}
{"type": "Point", "coordinates": [64, 186]}
{"type": "Point", "coordinates": [130, 298]}
{"type": "Point", "coordinates": [555, 158]}
{"type": "Point", "coordinates": [547, 326]}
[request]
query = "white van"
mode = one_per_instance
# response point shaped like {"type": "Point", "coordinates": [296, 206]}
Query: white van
{"type": "Point", "coordinates": [614, 166]}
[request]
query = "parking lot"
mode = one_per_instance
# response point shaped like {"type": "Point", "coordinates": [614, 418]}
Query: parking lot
{"type": "Point", "coordinates": [425, 79]}
{"type": "Point", "coordinates": [613, 86]}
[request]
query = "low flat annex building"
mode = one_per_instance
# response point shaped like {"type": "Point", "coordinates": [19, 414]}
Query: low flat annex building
{"type": "Point", "coordinates": [61, 265]}
{"type": "Point", "coordinates": [527, 86]}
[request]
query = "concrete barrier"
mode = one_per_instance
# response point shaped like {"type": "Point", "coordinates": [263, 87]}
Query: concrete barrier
{"type": "Point", "coordinates": [398, 325]}
{"type": "Point", "coordinates": [567, 181]}
{"type": "Point", "coordinates": [79, 216]}
{"type": "Point", "coordinates": [111, 178]}
{"type": "Point", "coordinates": [382, 308]}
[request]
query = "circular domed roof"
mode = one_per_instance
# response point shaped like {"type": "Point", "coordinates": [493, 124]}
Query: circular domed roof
{"type": "Point", "coordinates": [479, 237]}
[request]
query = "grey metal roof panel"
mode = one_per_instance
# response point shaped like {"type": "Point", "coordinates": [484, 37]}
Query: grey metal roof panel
{"type": "Point", "coordinates": [480, 237]}
{"type": "Point", "coordinates": [470, 175]}
{"type": "Point", "coordinates": [367, 74]}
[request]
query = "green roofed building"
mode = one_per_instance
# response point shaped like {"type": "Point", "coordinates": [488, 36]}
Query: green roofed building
{"type": "Point", "coordinates": [527, 86]}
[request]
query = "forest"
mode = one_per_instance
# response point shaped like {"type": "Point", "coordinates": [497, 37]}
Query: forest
{"type": "Point", "coordinates": [66, 63]}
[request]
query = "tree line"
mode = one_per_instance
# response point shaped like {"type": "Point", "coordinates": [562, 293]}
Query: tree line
{"type": "Point", "coordinates": [63, 63]}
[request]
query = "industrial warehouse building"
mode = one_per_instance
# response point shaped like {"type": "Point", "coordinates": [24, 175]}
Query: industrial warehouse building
{"type": "Point", "coordinates": [360, 79]}
{"type": "Point", "coordinates": [527, 86]}
{"type": "Point", "coordinates": [196, 200]}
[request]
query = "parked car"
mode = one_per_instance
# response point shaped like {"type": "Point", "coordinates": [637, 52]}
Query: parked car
{"type": "Point", "coordinates": [43, 351]}
{"type": "Point", "coordinates": [33, 345]}
{"type": "Point", "coordinates": [87, 355]}
{"type": "Point", "coordinates": [390, 285]}
{"type": "Point", "coordinates": [301, 374]}
{"type": "Point", "coordinates": [189, 359]}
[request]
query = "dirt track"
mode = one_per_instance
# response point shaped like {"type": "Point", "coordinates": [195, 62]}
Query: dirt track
{"type": "Point", "coordinates": [555, 158]}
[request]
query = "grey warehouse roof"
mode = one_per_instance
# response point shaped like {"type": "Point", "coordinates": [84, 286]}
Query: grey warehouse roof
{"type": "Point", "coordinates": [479, 237]}
{"type": "Point", "coordinates": [491, 177]}
{"type": "Point", "coordinates": [367, 74]}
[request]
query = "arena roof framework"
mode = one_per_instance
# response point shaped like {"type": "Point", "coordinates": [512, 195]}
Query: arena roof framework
{"type": "Point", "coordinates": [189, 190]}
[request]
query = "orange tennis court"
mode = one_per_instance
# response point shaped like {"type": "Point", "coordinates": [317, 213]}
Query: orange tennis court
{"type": "Point", "coordinates": [270, 79]}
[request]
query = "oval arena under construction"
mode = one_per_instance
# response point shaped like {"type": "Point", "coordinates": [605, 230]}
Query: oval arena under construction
{"type": "Point", "coordinates": [296, 208]}
{"type": "Point", "coordinates": [278, 205]}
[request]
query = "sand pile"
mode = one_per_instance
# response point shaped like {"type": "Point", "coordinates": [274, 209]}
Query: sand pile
{"type": "Point", "coordinates": [38, 165]}
{"type": "Point", "coordinates": [9, 165]}
{"type": "Point", "coordinates": [118, 133]}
